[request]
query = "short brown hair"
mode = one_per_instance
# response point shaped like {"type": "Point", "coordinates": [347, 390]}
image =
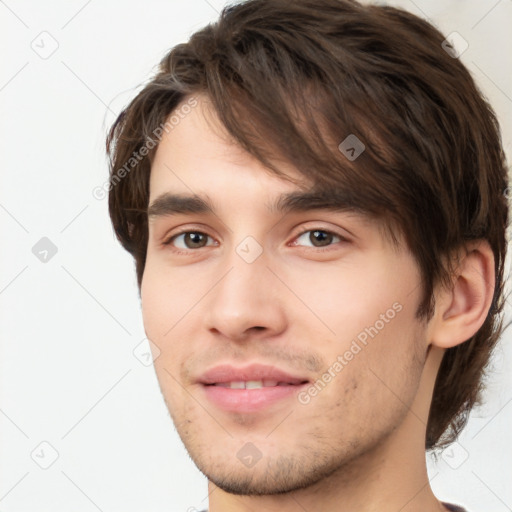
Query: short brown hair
{"type": "Point", "coordinates": [292, 80]}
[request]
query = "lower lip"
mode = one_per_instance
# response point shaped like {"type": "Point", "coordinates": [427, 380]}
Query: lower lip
{"type": "Point", "coordinates": [249, 400]}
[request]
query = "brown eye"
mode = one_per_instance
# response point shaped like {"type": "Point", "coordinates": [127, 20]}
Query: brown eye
{"type": "Point", "coordinates": [318, 238]}
{"type": "Point", "coordinates": [194, 240]}
{"type": "Point", "coordinates": [189, 240]}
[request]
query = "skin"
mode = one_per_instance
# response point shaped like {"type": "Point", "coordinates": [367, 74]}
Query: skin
{"type": "Point", "coordinates": [359, 443]}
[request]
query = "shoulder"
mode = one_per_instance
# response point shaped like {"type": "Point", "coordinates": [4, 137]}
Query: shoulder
{"type": "Point", "coordinates": [454, 508]}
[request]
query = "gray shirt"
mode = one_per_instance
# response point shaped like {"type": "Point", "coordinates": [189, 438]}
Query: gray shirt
{"type": "Point", "coordinates": [449, 506]}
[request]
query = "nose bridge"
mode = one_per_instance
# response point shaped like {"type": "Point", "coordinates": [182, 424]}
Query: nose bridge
{"type": "Point", "coordinates": [245, 297]}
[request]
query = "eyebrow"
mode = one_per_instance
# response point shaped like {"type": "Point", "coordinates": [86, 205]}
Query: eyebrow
{"type": "Point", "coordinates": [174, 204]}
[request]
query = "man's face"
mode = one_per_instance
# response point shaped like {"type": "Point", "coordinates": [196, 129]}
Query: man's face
{"type": "Point", "coordinates": [316, 306]}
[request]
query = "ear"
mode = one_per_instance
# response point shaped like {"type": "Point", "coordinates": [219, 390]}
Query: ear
{"type": "Point", "coordinates": [461, 310]}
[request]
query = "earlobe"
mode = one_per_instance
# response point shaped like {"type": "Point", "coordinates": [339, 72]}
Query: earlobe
{"type": "Point", "coordinates": [462, 309]}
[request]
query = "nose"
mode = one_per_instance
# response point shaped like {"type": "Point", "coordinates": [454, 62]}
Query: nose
{"type": "Point", "coordinates": [247, 301]}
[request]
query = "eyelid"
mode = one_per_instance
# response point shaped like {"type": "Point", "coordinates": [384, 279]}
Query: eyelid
{"type": "Point", "coordinates": [188, 228]}
{"type": "Point", "coordinates": [323, 248]}
{"type": "Point", "coordinates": [167, 240]}
{"type": "Point", "coordinates": [343, 234]}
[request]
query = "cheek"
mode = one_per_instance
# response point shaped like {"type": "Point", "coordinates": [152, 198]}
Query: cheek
{"type": "Point", "coordinates": [373, 386]}
{"type": "Point", "coordinates": [166, 299]}
{"type": "Point", "coordinates": [160, 314]}
{"type": "Point", "coordinates": [350, 297]}
{"type": "Point", "coordinates": [153, 306]}
{"type": "Point", "coordinates": [170, 320]}
{"type": "Point", "coordinates": [377, 343]}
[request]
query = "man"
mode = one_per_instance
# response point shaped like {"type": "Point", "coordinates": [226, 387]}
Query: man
{"type": "Point", "coordinates": [314, 195]}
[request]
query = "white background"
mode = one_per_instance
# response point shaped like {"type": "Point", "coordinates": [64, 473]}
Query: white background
{"type": "Point", "coordinates": [69, 326]}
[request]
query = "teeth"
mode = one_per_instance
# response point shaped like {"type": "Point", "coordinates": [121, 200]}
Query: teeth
{"type": "Point", "coordinates": [251, 384]}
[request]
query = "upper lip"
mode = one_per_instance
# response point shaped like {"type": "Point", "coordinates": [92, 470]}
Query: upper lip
{"type": "Point", "coordinates": [229, 373]}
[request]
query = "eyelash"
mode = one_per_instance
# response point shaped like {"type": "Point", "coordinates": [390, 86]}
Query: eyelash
{"type": "Point", "coordinates": [169, 241]}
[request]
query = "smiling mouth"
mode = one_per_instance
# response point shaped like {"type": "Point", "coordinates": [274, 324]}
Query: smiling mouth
{"type": "Point", "coordinates": [254, 384]}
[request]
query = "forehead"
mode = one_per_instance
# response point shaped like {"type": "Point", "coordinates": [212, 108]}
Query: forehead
{"type": "Point", "coordinates": [199, 144]}
{"type": "Point", "coordinates": [198, 161]}
{"type": "Point", "coordinates": [199, 168]}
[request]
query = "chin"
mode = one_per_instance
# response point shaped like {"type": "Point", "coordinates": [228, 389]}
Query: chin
{"type": "Point", "coordinates": [274, 475]}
